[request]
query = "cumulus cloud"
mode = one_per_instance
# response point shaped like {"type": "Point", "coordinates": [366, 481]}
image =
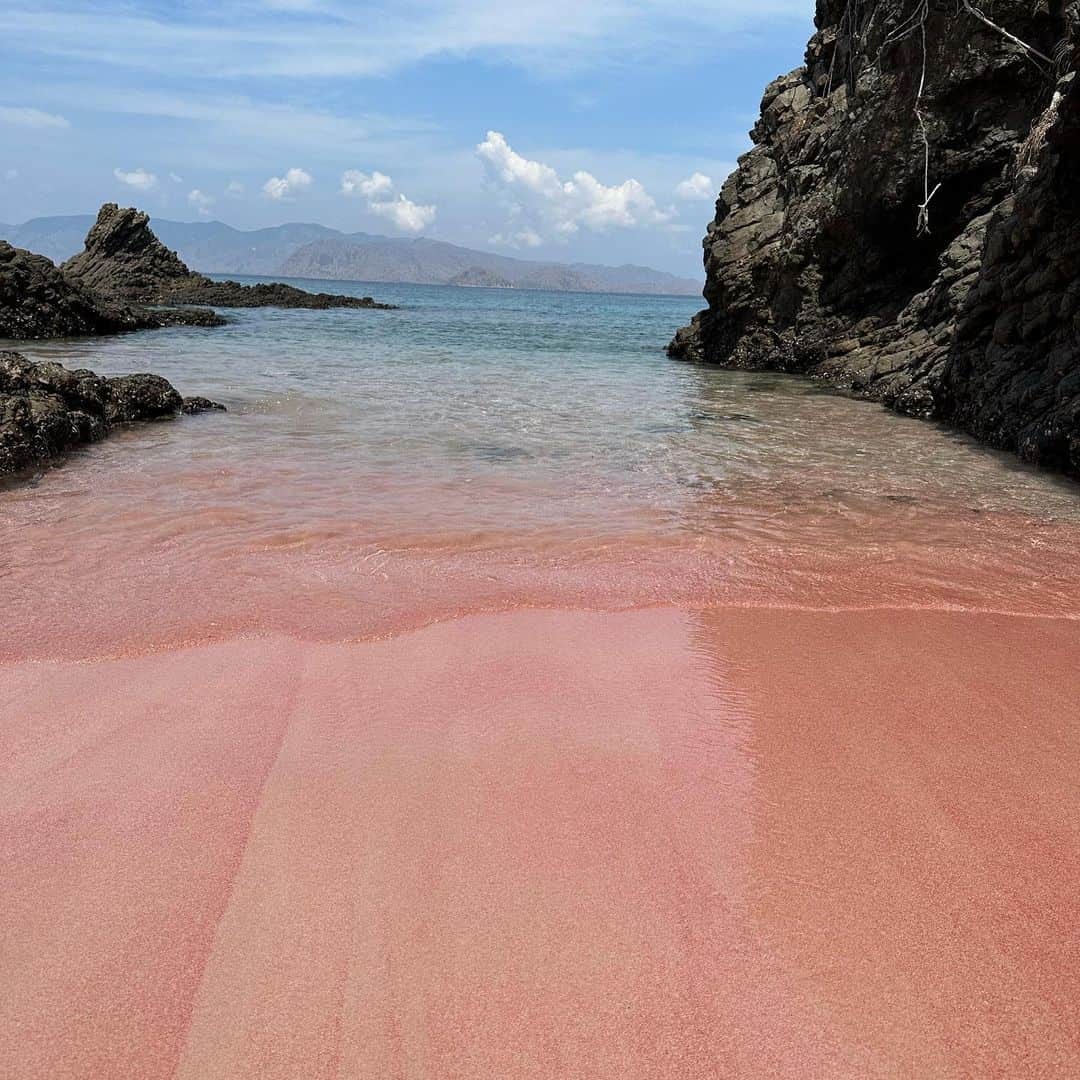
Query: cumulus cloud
{"type": "Point", "coordinates": [698, 186]}
{"type": "Point", "coordinates": [378, 189]}
{"type": "Point", "coordinates": [544, 205]}
{"type": "Point", "coordinates": [286, 187]}
{"type": "Point", "coordinates": [405, 214]}
{"type": "Point", "coordinates": [354, 182]}
{"type": "Point", "coordinates": [139, 179]}
{"type": "Point", "coordinates": [201, 201]}
{"type": "Point", "coordinates": [176, 179]}
{"type": "Point", "coordinates": [31, 118]}
{"type": "Point", "coordinates": [234, 189]}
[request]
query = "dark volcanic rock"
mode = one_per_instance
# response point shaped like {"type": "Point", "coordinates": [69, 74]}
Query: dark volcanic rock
{"type": "Point", "coordinates": [200, 404]}
{"type": "Point", "coordinates": [232, 294]}
{"type": "Point", "coordinates": [1012, 377]}
{"type": "Point", "coordinates": [814, 262]}
{"type": "Point", "coordinates": [124, 260]}
{"type": "Point", "coordinates": [46, 409]}
{"type": "Point", "coordinates": [158, 317]}
{"type": "Point", "coordinates": [37, 301]}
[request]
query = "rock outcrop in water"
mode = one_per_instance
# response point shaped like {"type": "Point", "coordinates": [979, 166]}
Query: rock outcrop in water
{"type": "Point", "coordinates": [37, 301]}
{"type": "Point", "coordinates": [940, 276]}
{"type": "Point", "coordinates": [124, 260]}
{"type": "Point", "coordinates": [46, 409]}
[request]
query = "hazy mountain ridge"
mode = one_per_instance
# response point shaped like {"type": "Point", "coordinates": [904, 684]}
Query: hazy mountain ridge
{"type": "Point", "coordinates": [57, 238]}
{"type": "Point", "coordinates": [316, 251]}
{"type": "Point", "coordinates": [436, 262]}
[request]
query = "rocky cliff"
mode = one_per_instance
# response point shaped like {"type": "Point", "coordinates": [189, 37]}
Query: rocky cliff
{"type": "Point", "coordinates": [123, 260]}
{"type": "Point", "coordinates": [907, 224]}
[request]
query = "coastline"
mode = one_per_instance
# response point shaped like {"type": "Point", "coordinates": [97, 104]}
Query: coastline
{"type": "Point", "coordinates": [485, 706]}
{"type": "Point", "coordinates": [488, 696]}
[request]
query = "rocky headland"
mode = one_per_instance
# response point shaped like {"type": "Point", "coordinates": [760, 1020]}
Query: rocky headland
{"type": "Point", "coordinates": [47, 409]}
{"type": "Point", "coordinates": [907, 224]}
{"type": "Point", "coordinates": [125, 279]}
{"type": "Point", "coordinates": [38, 301]}
{"type": "Point", "coordinates": [123, 260]}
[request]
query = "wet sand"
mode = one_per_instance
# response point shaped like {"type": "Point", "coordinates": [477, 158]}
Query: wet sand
{"type": "Point", "coordinates": [651, 843]}
{"type": "Point", "coordinates": [485, 696]}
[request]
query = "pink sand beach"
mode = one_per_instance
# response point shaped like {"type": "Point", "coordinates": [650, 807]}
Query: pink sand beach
{"type": "Point", "coordinates": [660, 842]}
{"type": "Point", "coordinates": [305, 773]}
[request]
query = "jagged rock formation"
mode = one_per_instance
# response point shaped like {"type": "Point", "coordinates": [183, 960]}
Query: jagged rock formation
{"type": "Point", "coordinates": [46, 409]}
{"type": "Point", "coordinates": [124, 260]}
{"type": "Point", "coordinates": [815, 261]}
{"type": "Point", "coordinates": [36, 301]}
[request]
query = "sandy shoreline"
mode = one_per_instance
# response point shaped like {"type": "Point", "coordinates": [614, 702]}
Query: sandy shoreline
{"type": "Point", "coordinates": [659, 843]}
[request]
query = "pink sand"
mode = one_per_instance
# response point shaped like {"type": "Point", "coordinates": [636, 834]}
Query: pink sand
{"type": "Point", "coordinates": [660, 843]}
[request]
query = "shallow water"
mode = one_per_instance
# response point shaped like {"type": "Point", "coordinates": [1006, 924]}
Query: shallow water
{"type": "Point", "coordinates": [481, 448]}
{"type": "Point", "coordinates": [487, 695]}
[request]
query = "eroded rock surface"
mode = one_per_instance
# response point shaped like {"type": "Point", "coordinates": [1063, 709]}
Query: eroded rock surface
{"type": "Point", "coordinates": [46, 409]}
{"type": "Point", "coordinates": [815, 261]}
{"type": "Point", "coordinates": [37, 301]}
{"type": "Point", "coordinates": [124, 260]}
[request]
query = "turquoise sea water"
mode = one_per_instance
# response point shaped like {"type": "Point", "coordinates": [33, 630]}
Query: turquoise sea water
{"type": "Point", "coordinates": [485, 383]}
{"type": "Point", "coordinates": [539, 442]}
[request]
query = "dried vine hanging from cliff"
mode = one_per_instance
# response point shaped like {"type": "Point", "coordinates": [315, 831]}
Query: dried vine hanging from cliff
{"type": "Point", "coordinates": [915, 24]}
{"type": "Point", "coordinates": [1030, 51]}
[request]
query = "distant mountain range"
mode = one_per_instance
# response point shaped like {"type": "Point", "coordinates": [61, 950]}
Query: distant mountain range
{"type": "Point", "coordinates": [315, 251]}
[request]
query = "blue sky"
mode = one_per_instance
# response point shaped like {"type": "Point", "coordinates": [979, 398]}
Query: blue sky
{"type": "Point", "coordinates": [598, 131]}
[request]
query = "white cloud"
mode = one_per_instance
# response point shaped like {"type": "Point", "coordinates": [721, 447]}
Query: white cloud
{"type": "Point", "coordinates": [176, 179]}
{"type": "Point", "coordinates": [378, 189]}
{"type": "Point", "coordinates": [139, 179]}
{"type": "Point", "coordinates": [31, 118]}
{"type": "Point", "coordinates": [405, 214]}
{"type": "Point", "coordinates": [201, 201]}
{"type": "Point", "coordinates": [354, 182]}
{"type": "Point", "coordinates": [698, 186]}
{"type": "Point", "coordinates": [11, 174]}
{"type": "Point", "coordinates": [541, 204]}
{"type": "Point", "coordinates": [234, 189]}
{"type": "Point", "coordinates": [285, 187]}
